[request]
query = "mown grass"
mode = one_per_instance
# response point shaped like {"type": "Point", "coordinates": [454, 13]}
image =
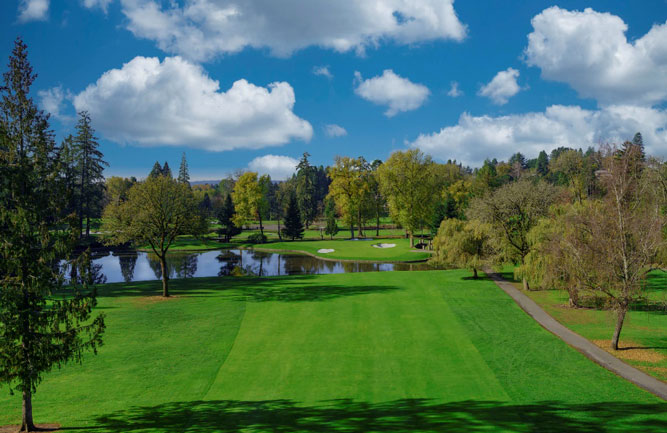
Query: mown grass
{"type": "Point", "coordinates": [643, 339]}
{"type": "Point", "coordinates": [389, 351]}
{"type": "Point", "coordinates": [353, 249]}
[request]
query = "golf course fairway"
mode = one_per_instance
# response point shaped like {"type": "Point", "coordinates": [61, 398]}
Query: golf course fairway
{"type": "Point", "coordinates": [423, 351]}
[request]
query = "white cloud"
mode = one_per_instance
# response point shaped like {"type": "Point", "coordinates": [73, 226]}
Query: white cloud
{"type": "Point", "coordinates": [589, 51]}
{"type": "Point", "coordinates": [474, 138]}
{"type": "Point", "coordinates": [323, 71]}
{"type": "Point", "coordinates": [102, 4]}
{"type": "Point", "coordinates": [52, 101]}
{"type": "Point", "coordinates": [334, 130]}
{"type": "Point", "coordinates": [279, 167]}
{"type": "Point", "coordinates": [399, 93]}
{"type": "Point", "coordinates": [174, 102]}
{"type": "Point", "coordinates": [502, 87]}
{"type": "Point", "coordinates": [33, 10]}
{"type": "Point", "coordinates": [454, 91]}
{"type": "Point", "coordinates": [203, 29]}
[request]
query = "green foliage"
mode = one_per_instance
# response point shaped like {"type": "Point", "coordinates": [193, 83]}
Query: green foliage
{"type": "Point", "coordinates": [306, 189]}
{"type": "Point", "coordinates": [257, 238]}
{"type": "Point", "coordinates": [293, 225]}
{"type": "Point", "coordinates": [155, 213]}
{"type": "Point", "coordinates": [41, 325]}
{"type": "Point", "coordinates": [408, 180]}
{"type": "Point", "coordinates": [226, 220]}
{"type": "Point", "coordinates": [542, 164]}
{"type": "Point", "coordinates": [350, 189]}
{"type": "Point", "coordinates": [463, 244]}
{"type": "Point", "coordinates": [183, 172]}
{"type": "Point", "coordinates": [331, 228]}
{"type": "Point", "coordinates": [247, 195]}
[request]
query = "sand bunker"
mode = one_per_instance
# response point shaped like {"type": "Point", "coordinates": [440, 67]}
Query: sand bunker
{"type": "Point", "coordinates": [325, 250]}
{"type": "Point", "coordinates": [384, 245]}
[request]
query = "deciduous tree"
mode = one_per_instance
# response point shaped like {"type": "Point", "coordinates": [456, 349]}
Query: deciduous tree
{"type": "Point", "coordinates": [463, 244]}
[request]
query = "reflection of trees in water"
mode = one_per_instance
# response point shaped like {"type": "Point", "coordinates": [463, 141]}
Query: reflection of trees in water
{"type": "Point", "coordinates": [229, 261]}
{"type": "Point", "coordinates": [178, 265]}
{"type": "Point", "coordinates": [127, 262]}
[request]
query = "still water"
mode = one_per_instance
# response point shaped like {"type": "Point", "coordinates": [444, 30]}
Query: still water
{"type": "Point", "coordinates": [140, 266]}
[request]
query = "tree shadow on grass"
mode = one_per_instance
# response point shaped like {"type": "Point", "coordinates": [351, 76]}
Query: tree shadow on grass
{"type": "Point", "coordinates": [407, 415]}
{"type": "Point", "coordinates": [248, 289]}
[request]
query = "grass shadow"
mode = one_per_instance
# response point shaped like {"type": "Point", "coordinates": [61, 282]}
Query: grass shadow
{"type": "Point", "coordinates": [406, 415]}
{"type": "Point", "coordinates": [249, 289]}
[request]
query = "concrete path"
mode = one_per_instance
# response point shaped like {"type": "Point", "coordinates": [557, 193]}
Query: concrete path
{"type": "Point", "coordinates": [584, 346]}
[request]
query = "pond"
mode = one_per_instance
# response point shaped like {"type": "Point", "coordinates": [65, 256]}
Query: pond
{"type": "Point", "coordinates": [140, 266]}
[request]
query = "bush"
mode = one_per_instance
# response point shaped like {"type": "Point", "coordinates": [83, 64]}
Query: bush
{"type": "Point", "coordinates": [257, 238]}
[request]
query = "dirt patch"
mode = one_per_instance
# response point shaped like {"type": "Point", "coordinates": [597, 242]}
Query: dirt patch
{"type": "Point", "coordinates": [631, 351]}
{"type": "Point", "coordinates": [150, 300]}
{"type": "Point", "coordinates": [41, 427]}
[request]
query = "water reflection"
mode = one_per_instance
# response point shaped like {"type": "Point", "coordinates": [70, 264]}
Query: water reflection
{"type": "Point", "coordinates": [138, 266]}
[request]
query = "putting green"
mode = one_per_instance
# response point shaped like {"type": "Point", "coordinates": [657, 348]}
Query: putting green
{"type": "Point", "coordinates": [386, 351]}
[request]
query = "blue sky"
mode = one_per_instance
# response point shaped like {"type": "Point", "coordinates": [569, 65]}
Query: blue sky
{"type": "Point", "coordinates": [354, 78]}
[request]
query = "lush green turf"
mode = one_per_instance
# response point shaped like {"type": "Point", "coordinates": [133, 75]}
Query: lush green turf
{"type": "Point", "coordinates": [644, 334]}
{"type": "Point", "coordinates": [387, 351]}
{"type": "Point", "coordinates": [353, 250]}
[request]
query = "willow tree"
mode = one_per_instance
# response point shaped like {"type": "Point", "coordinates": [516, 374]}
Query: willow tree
{"type": "Point", "coordinates": [463, 244]}
{"type": "Point", "coordinates": [409, 183]}
{"type": "Point", "coordinates": [157, 211]}
{"type": "Point", "coordinates": [42, 323]}
{"type": "Point", "coordinates": [513, 210]}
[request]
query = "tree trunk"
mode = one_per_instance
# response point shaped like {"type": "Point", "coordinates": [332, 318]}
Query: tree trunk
{"type": "Point", "coordinates": [280, 236]}
{"type": "Point", "coordinates": [27, 424]}
{"type": "Point", "coordinates": [377, 226]}
{"type": "Point", "coordinates": [620, 318]}
{"type": "Point", "coordinates": [87, 227]}
{"type": "Point", "coordinates": [261, 227]}
{"type": "Point", "coordinates": [573, 297]}
{"type": "Point", "coordinates": [351, 230]}
{"type": "Point", "coordinates": [526, 286]}
{"type": "Point", "coordinates": [361, 234]}
{"type": "Point", "coordinates": [412, 241]}
{"type": "Point", "coordinates": [165, 277]}
{"type": "Point", "coordinates": [474, 273]}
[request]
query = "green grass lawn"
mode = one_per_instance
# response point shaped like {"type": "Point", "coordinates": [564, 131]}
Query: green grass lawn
{"type": "Point", "coordinates": [644, 334]}
{"type": "Point", "coordinates": [353, 250]}
{"type": "Point", "coordinates": [388, 351]}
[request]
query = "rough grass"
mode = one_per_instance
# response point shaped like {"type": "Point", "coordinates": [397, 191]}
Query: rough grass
{"type": "Point", "coordinates": [644, 334]}
{"type": "Point", "coordinates": [353, 250]}
{"type": "Point", "coordinates": [388, 351]}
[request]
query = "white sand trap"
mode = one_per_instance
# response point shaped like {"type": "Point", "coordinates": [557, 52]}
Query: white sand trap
{"type": "Point", "coordinates": [325, 250]}
{"type": "Point", "coordinates": [384, 245]}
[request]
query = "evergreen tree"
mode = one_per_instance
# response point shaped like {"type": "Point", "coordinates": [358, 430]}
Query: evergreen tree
{"type": "Point", "coordinates": [156, 171]}
{"type": "Point", "coordinates": [226, 220]}
{"type": "Point", "coordinates": [183, 173]}
{"type": "Point", "coordinates": [90, 165]}
{"type": "Point", "coordinates": [305, 190]}
{"type": "Point", "coordinates": [205, 205]}
{"type": "Point", "coordinates": [293, 225]}
{"type": "Point", "coordinates": [166, 171]}
{"type": "Point", "coordinates": [542, 165]}
{"type": "Point", "coordinates": [331, 228]}
{"type": "Point", "coordinates": [38, 330]}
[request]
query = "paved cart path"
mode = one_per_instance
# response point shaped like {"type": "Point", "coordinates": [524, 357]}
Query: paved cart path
{"type": "Point", "coordinates": [580, 343]}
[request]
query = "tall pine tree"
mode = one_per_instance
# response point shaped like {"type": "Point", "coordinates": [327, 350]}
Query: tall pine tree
{"type": "Point", "coordinates": [293, 225]}
{"type": "Point", "coordinates": [183, 172]}
{"type": "Point", "coordinates": [38, 330]}
{"type": "Point", "coordinates": [305, 190]}
{"type": "Point", "coordinates": [90, 165]}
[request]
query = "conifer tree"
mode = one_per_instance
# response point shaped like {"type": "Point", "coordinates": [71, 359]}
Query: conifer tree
{"type": "Point", "coordinates": [156, 170]}
{"type": "Point", "coordinates": [542, 165]}
{"type": "Point", "coordinates": [183, 172]}
{"type": "Point", "coordinates": [90, 165]}
{"type": "Point", "coordinates": [305, 189]}
{"type": "Point", "coordinates": [331, 228]}
{"type": "Point", "coordinates": [226, 220]}
{"type": "Point", "coordinates": [293, 225]}
{"type": "Point", "coordinates": [38, 330]}
{"type": "Point", "coordinates": [166, 171]}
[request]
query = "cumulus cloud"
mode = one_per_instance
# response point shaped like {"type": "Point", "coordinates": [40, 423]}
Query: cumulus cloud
{"type": "Point", "coordinates": [476, 138]}
{"type": "Point", "coordinates": [33, 10]}
{"type": "Point", "coordinates": [203, 29]}
{"type": "Point", "coordinates": [323, 71]}
{"type": "Point", "coordinates": [52, 101]}
{"type": "Point", "coordinates": [454, 91]}
{"type": "Point", "coordinates": [589, 51]}
{"type": "Point", "coordinates": [279, 167]}
{"type": "Point", "coordinates": [398, 93]}
{"type": "Point", "coordinates": [334, 130]}
{"type": "Point", "coordinates": [174, 102]}
{"type": "Point", "coordinates": [102, 4]}
{"type": "Point", "coordinates": [502, 87]}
